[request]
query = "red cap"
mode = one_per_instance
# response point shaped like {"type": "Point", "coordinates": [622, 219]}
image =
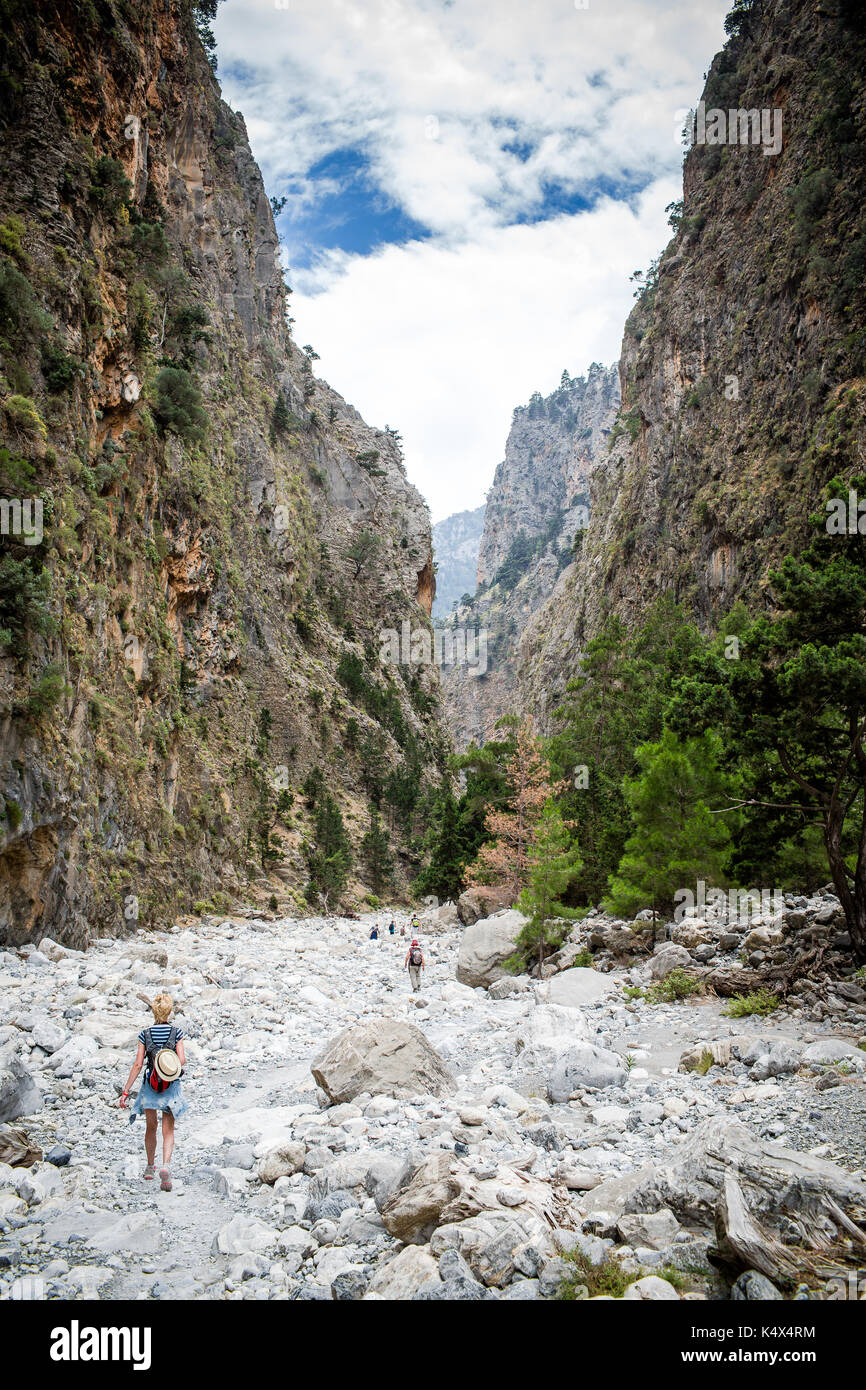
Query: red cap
{"type": "Point", "coordinates": [414, 942]}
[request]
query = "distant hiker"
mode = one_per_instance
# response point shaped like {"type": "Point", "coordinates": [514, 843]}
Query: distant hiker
{"type": "Point", "coordinates": [161, 1047]}
{"type": "Point", "coordinates": [391, 929]}
{"type": "Point", "coordinates": [415, 961]}
{"type": "Point", "coordinates": [402, 928]}
{"type": "Point", "coordinates": [374, 934]}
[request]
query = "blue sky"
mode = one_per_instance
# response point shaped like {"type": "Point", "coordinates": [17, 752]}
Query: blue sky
{"type": "Point", "coordinates": [468, 189]}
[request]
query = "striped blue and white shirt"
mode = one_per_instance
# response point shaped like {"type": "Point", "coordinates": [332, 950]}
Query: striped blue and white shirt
{"type": "Point", "coordinates": [161, 1032]}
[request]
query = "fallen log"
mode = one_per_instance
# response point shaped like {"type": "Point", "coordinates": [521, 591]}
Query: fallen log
{"type": "Point", "coordinates": [743, 1244]}
{"type": "Point", "coordinates": [779, 979]}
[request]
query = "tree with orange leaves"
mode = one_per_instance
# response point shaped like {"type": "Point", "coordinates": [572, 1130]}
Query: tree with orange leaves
{"type": "Point", "coordinates": [505, 858]}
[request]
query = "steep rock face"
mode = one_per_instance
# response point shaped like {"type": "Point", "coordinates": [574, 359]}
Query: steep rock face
{"type": "Point", "coordinates": [455, 551]}
{"type": "Point", "coordinates": [538, 505]}
{"type": "Point", "coordinates": [743, 361]}
{"type": "Point", "coordinates": [221, 530]}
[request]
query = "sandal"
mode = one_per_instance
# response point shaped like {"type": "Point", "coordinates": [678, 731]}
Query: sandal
{"type": "Point", "coordinates": [165, 1180]}
{"type": "Point", "coordinates": [149, 1172]}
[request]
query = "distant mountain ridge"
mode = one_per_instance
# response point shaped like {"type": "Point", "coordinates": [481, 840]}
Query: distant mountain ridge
{"type": "Point", "coordinates": [456, 542]}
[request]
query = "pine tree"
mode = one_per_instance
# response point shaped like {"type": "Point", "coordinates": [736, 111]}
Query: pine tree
{"type": "Point", "coordinates": [280, 418]}
{"type": "Point", "coordinates": [450, 850]}
{"type": "Point", "coordinates": [677, 838]}
{"type": "Point", "coordinates": [794, 703]}
{"type": "Point", "coordinates": [554, 863]}
{"type": "Point", "coordinates": [376, 854]}
{"type": "Point", "coordinates": [614, 705]}
{"type": "Point", "coordinates": [329, 858]}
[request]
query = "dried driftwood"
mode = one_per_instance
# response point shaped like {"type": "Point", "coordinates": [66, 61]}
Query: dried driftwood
{"type": "Point", "coordinates": [743, 1244]}
{"type": "Point", "coordinates": [779, 979]}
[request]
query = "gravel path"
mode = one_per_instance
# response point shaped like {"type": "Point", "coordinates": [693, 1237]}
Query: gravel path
{"type": "Point", "coordinates": [266, 998]}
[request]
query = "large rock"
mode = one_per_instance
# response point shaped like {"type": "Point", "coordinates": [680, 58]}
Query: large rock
{"type": "Point", "coordinates": [485, 945]}
{"type": "Point", "coordinates": [243, 1235]}
{"type": "Point", "coordinates": [17, 1149]}
{"type": "Point", "coordinates": [384, 1057]}
{"type": "Point", "coordinates": [413, 1211]}
{"type": "Point", "coordinates": [651, 1289]}
{"type": "Point", "coordinates": [479, 902]}
{"type": "Point", "coordinates": [670, 957]}
{"type": "Point", "coordinates": [19, 1094]}
{"type": "Point", "coordinates": [585, 1065]}
{"type": "Point", "coordinates": [488, 1242]}
{"type": "Point", "coordinates": [385, 1175]}
{"type": "Point", "coordinates": [403, 1276]}
{"type": "Point", "coordinates": [47, 1035]}
{"type": "Point", "coordinates": [579, 986]}
{"type": "Point", "coordinates": [828, 1050]}
{"type": "Point", "coordinates": [282, 1161]}
{"type": "Point", "coordinates": [138, 1234]}
{"type": "Point", "coordinates": [547, 1032]}
{"type": "Point", "coordinates": [654, 1229]}
{"type": "Point", "coordinates": [76, 1053]}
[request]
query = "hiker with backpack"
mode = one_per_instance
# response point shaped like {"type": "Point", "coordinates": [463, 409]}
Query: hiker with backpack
{"type": "Point", "coordinates": [162, 1053]}
{"type": "Point", "coordinates": [415, 961]}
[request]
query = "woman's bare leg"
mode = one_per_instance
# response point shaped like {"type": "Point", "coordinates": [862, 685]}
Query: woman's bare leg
{"type": "Point", "coordinates": [167, 1136]}
{"type": "Point", "coordinates": [150, 1135]}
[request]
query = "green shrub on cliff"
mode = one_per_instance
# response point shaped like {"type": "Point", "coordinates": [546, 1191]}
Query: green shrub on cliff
{"type": "Point", "coordinates": [178, 407]}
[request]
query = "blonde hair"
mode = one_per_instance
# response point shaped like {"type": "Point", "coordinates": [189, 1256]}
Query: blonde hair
{"type": "Point", "coordinates": [162, 1007]}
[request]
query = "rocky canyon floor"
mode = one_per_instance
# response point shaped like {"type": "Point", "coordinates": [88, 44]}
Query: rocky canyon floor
{"type": "Point", "coordinates": [486, 1190]}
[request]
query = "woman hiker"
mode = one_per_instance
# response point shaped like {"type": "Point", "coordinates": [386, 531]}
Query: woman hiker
{"type": "Point", "coordinates": [162, 1047]}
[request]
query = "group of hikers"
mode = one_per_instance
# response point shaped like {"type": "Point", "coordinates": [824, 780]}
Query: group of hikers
{"type": "Point", "coordinates": [414, 961]}
{"type": "Point", "coordinates": [161, 1054]}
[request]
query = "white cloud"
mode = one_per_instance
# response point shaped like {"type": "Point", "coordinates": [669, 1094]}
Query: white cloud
{"type": "Point", "coordinates": [442, 338]}
{"type": "Point", "coordinates": [442, 342]}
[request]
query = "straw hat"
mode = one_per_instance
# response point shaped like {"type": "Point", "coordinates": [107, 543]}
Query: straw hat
{"type": "Point", "coordinates": [166, 1064]}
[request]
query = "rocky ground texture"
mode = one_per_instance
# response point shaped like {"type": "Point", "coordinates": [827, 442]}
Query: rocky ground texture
{"type": "Point", "coordinates": [487, 1139]}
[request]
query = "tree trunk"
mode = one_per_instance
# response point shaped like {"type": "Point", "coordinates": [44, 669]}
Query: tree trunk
{"type": "Point", "coordinates": [853, 903]}
{"type": "Point", "coordinates": [743, 1244]}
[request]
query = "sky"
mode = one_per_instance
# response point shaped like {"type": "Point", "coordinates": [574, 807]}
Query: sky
{"type": "Point", "coordinates": [468, 188]}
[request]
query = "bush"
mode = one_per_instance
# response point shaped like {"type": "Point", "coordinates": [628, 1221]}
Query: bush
{"type": "Point", "coordinates": [679, 984]}
{"type": "Point", "coordinates": [605, 1278]}
{"type": "Point", "coordinates": [150, 244]}
{"type": "Point", "coordinates": [23, 416]}
{"type": "Point", "coordinates": [761, 1001]}
{"type": "Point", "coordinates": [24, 589]}
{"type": "Point", "coordinates": [109, 187]}
{"type": "Point", "coordinates": [21, 318]}
{"type": "Point", "coordinates": [47, 691]}
{"type": "Point", "coordinates": [59, 368]}
{"type": "Point", "coordinates": [810, 199]}
{"type": "Point", "coordinates": [11, 232]}
{"type": "Point", "coordinates": [178, 407]}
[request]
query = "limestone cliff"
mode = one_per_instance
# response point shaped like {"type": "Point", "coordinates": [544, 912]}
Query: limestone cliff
{"type": "Point", "coordinates": [224, 537]}
{"type": "Point", "coordinates": [743, 361]}
{"type": "Point", "coordinates": [536, 514]}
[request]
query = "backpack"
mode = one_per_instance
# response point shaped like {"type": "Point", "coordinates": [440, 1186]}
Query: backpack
{"type": "Point", "coordinates": [151, 1048]}
{"type": "Point", "coordinates": [415, 956]}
